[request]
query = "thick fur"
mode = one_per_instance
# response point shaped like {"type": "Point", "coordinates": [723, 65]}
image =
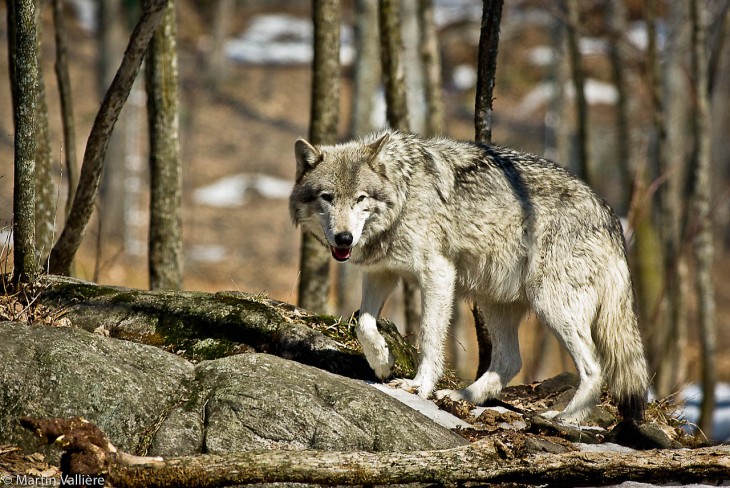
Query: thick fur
{"type": "Point", "coordinates": [511, 231]}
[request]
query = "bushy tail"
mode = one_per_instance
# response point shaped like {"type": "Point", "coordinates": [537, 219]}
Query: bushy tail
{"type": "Point", "coordinates": [618, 340]}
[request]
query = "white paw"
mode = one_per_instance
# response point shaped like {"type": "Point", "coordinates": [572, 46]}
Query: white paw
{"type": "Point", "coordinates": [378, 356]}
{"type": "Point", "coordinates": [406, 384]}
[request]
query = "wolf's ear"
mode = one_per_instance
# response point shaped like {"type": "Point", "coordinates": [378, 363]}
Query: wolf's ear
{"type": "Point", "coordinates": [374, 149]}
{"type": "Point", "coordinates": [307, 156]}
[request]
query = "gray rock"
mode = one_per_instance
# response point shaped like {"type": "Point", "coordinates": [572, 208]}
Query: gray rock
{"type": "Point", "coordinates": [152, 402]}
{"type": "Point", "coordinates": [253, 401]}
{"type": "Point", "coordinates": [62, 372]}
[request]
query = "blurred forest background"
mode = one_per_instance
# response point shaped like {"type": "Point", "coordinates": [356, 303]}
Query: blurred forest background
{"type": "Point", "coordinates": [647, 128]}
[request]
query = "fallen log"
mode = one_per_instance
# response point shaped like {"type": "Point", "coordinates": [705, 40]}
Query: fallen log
{"type": "Point", "coordinates": [491, 460]}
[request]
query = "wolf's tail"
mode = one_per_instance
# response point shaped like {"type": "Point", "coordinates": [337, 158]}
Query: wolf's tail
{"type": "Point", "coordinates": [618, 340]}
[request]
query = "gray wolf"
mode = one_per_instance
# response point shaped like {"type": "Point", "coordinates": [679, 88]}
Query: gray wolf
{"type": "Point", "coordinates": [511, 231]}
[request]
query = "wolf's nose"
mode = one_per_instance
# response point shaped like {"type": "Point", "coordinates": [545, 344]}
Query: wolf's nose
{"type": "Point", "coordinates": [343, 239]}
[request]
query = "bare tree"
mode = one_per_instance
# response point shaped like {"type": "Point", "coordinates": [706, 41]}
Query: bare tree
{"type": "Point", "coordinates": [702, 198]}
{"type": "Point", "coordinates": [486, 79]}
{"type": "Point", "coordinates": [670, 334]}
{"type": "Point", "coordinates": [616, 23]}
{"type": "Point", "coordinates": [45, 179]}
{"type": "Point", "coordinates": [222, 14]}
{"type": "Point", "coordinates": [112, 33]}
{"type": "Point", "coordinates": [324, 119]}
{"type": "Point", "coordinates": [487, 69]}
{"type": "Point", "coordinates": [582, 152]}
{"type": "Point", "coordinates": [165, 234]}
{"type": "Point", "coordinates": [431, 60]}
{"type": "Point", "coordinates": [366, 84]}
{"type": "Point", "coordinates": [24, 77]}
{"type": "Point", "coordinates": [63, 81]}
{"type": "Point", "coordinates": [391, 49]}
{"type": "Point", "coordinates": [396, 101]}
{"type": "Point", "coordinates": [73, 232]}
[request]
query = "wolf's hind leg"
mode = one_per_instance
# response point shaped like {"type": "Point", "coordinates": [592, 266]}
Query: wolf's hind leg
{"type": "Point", "coordinates": [570, 319]}
{"type": "Point", "coordinates": [503, 321]}
{"type": "Point", "coordinates": [375, 290]}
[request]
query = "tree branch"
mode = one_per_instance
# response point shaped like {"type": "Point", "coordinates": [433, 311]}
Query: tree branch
{"type": "Point", "coordinates": [487, 461]}
{"type": "Point", "coordinates": [73, 232]}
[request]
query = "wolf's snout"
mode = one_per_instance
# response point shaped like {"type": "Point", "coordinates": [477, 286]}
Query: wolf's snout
{"type": "Point", "coordinates": [343, 239]}
{"type": "Point", "coordinates": [342, 250]}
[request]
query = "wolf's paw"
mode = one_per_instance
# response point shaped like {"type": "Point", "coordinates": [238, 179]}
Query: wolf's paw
{"type": "Point", "coordinates": [406, 384]}
{"type": "Point", "coordinates": [455, 395]}
{"type": "Point", "coordinates": [379, 357]}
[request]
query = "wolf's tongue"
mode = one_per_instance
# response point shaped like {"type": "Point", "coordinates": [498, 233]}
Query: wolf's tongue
{"type": "Point", "coordinates": [341, 253]}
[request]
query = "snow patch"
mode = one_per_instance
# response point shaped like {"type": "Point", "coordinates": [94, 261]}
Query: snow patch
{"type": "Point", "coordinates": [596, 92]}
{"type": "Point", "coordinates": [426, 407]}
{"type": "Point", "coordinates": [234, 191]}
{"type": "Point", "coordinates": [282, 39]}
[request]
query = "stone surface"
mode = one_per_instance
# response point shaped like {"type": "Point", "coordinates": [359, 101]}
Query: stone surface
{"type": "Point", "coordinates": [149, 401]}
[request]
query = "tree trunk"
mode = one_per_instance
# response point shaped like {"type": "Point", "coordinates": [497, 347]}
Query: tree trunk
{"type": "Point", "coordinates": [431, 60]}
{"type": "Point", "coordinates": [73, 232]}
{"type": "Point", "coordinates": [391, 48]}
{"type": "Point", "coordinates": [487, 69]}
{"type": "Point", "coordinates": [582, 146]}
{"type": "Point", "coordinates": [24, 77]}
{"type": "Point", "coordinates": [702, 200]}
{"type": "Point", "coordinates": [45, 180]}
{"type": "Point", "coordinates": [616, 23]}
{"type": "Point", "coordinates": [111, 37]}
{"type": "Point", "coordinates": [63, 80]}
{"type": "Point", "coordinates": [324, 120]}
{"type": "Point", "coordinates": [671, 338]}
{"type": "Point", "coordinates": [486, 79]}
{"type": "Point", "coordinates": [165, 233]}
{"type": "Point", "coordinates": [366, 83]}
{"type": "Point", "coordinates": [490, 460]}
{"type": "Point", "coordinates": [223, 12]}
{"type": "Point", "coordinates": [367, 69]}
{"type": "Point", "coordinates": [396, 102]}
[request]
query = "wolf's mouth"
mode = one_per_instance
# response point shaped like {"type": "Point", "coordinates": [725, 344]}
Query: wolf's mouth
{"type": "Point", "coordinates": [341, 254]}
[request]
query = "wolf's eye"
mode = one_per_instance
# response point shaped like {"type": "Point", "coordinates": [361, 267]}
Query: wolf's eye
{"type": "Point", "coordinates": [361, 198]}
{"type": "Point", "coordinates": [327, 197]}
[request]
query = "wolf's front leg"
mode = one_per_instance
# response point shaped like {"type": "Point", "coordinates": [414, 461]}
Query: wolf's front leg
{"type": "Point", "coordinates": [437, 295]}
{"type": "Point", "coordinates": [376, 286]}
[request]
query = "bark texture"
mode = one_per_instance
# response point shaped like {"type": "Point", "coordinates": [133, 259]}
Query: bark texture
{"type": "Point", "coordinates": [324, 119]}
{"type": "Point", "coordinates": [63, 80]}
{"type": "Point", "coordinates": [486, 79]}
{"type": "Point", "coordinates": [165, 259]}
{"type": "Point", "coordinates": [396, 102]}
{"type": "Point", "coordinates": [486, 461]}
{"type": "Point", "coordinates": [24, 74]}
{"type": "Point", "coordinates": [702, 202]}
{"type": "Point", "coordinates": [582, 151]}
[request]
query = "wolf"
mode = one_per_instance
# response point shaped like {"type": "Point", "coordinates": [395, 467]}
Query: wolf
{"type": "Point", "coordinates": [511, 231]}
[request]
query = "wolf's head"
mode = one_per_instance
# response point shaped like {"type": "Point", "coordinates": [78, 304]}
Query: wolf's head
{"type": "Point", "coordinates": [342, 193]}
